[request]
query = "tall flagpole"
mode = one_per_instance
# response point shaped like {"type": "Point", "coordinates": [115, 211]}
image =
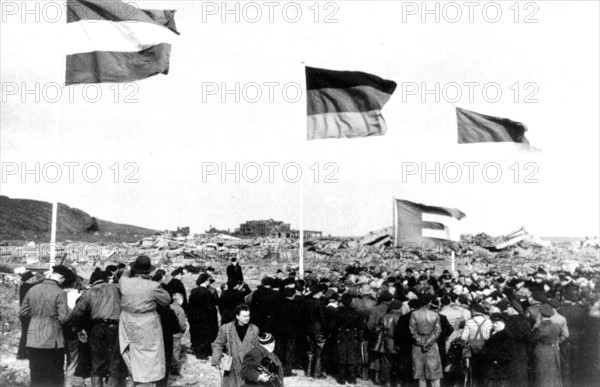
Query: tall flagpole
{"type": "Point", "coordinates": [301, 239]}
{"type": "Point", "coordinates": [394, 220]}
{"type": "Point", "coordinates": [55, 152]}
{"type": "Point", "coordinates": [452, 262]}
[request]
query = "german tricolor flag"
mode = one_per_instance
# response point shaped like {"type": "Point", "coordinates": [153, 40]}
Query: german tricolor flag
{"type": "Point", "coordinates": [345, 103]}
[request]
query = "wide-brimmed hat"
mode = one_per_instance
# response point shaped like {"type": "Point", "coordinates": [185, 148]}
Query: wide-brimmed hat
{"type": "Point", "coordinates": [26, 276]}
{"type": "Point", "coordinates": [62, 270]}
{"type": "Point", "coordinates": [365, 289]}
{"type": "Point", "coordinates": [142, 265]}
{"type": "Point", "coordinates": [546, 310]}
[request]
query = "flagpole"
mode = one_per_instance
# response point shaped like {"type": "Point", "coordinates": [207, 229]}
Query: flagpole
{"type": "Point", "coordinates": [55, 152]}
{"type": "Point", "coordinates": [452, 262]}
{"type": "Point", "coordinates": [394, 220]}
{"type": "Point", "coordinates": [301, 239]}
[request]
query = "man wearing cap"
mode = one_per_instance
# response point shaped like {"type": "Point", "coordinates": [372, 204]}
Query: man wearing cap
{"type": "Point", "coordinates": [546, 356]}
{"type": "Point", "coordinates": [140, 332]}
{"type": "Point", "coordinates": [46, 306]}
{"type": "Point", "coordinates": [557, 319]}
{"type": "Point", "coordinates": [536, 300]}
{"type": "Point", "coordinates": [255, 370]}
{"type": "Point", "coordinates": [203, 318]}
{"type": "Point", "coordinates": [102, 304]}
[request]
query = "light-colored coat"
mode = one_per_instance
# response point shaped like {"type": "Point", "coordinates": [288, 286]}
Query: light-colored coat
{"type": "Point", "coordinates": [46, 304]}
{"type": "Point", "coordinates": [228, 337]}
{"type": "Point", "coordinates": [140, 332]}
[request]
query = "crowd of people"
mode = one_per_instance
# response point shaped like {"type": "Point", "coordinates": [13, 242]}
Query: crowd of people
{"type": "Point", "coordinates": [391, 328]}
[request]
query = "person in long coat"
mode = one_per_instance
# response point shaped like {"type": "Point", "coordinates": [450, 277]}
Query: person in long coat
{"type": "Point", "coordinates": [425, 329]}
{"type": "Point", "coordinates": [27, 280]}
{"type": "Point", "coordinates": [287, 327]}
{"type": "Point", "coordinates": [140, 332]}
{"type": "Point", "coordinates": [46, 306]}
{"type": "Point", "coordinates": [546, 355]}
{"type": "Point", "coordinates": [203, 318]}
{"type": "Point", "coordinates": [347, 333]}
{"type": "Point", "coordinates": [236, 339]}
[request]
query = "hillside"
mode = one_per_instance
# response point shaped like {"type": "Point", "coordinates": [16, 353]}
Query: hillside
{"type": "Point", "coordinates": [24, 219]}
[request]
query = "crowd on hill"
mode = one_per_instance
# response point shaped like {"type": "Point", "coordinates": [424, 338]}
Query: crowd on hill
{"type": "Point", "coordinates": [363, 323]}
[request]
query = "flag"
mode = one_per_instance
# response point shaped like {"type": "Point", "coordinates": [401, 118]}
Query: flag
{"type": "Point", "coordinates": [112, 41]}
{"type": "Point", "coordinates": [419, 223]}
{"type": "Point", "coordinates": [474, 127]}
{"type": "Point", "coordinates": [345, 103]}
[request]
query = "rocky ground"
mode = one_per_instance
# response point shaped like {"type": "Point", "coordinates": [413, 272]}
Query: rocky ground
{"type": "Point", "coordinates": [263, 256]}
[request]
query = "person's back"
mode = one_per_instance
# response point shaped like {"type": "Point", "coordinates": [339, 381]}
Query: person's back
{"type": "Point", "coordinates": [140, 332]}
{"type": "Point", "coordinates": [46, 305]}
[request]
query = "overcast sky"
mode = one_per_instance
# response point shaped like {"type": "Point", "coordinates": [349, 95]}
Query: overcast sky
{"type": "Point", "coordinates": [546, 71]}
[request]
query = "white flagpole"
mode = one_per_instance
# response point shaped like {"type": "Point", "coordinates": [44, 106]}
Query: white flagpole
{"type": "Point", "coordinates": [55, 151]}
{"type": "Point", "coordinates": [301, 239]}
{"type": "Point", "coordinates": [394, 220]}
{"type": "Point", "coordinates": [53, 233]}
{"type": "Point", "coordinates": [452, 262]}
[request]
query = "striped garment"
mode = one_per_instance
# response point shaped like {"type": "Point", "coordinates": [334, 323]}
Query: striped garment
{"type": "Point", "coordinates": [472, 325]}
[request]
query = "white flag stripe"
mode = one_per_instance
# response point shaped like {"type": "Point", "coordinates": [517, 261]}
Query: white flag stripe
{"type": "Point", "coordinates": [451, 227]}
{"type": "Point", "coordinates": [105, 35]}
{"type": "Point", "coordinates": [439, 234]}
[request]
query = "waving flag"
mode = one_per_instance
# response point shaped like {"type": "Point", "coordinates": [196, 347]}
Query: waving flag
{"type": "Point", "coordinates": [345, 103]}
{"type": "Point", "coordinates": [112, 41]}
{"type": "Point", "coordinates": [474, 127]}
{"type": "Point", "coordinates": [419, 223]}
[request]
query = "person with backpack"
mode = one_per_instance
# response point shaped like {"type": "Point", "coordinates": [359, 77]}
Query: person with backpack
{"type": "Point", "coordinates": [477, 331]}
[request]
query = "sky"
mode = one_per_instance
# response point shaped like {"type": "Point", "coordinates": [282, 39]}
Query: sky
{"type": "Point", "coordinates": [536, 63]}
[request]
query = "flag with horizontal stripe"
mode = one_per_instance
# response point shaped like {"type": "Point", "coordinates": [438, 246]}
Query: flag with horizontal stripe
{"type": "Point", "coordinates": [420, 223]}
{"type": "Point", "coordinates": [112, 41]}
{"type": "Point", "coordinates": [475, 127]}
{"type": "Point", "coordinates": [345, 103]}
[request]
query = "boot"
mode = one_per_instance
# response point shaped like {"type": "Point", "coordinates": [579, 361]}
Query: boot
{"type": "Point", "coordinates": [97, 381]}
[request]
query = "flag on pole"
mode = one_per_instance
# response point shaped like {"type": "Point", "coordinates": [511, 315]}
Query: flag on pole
{"type": "Point", "coordinates": [112, 41]}
{"type": "Point", "coordinates": [474, 127]}
{"type": "Point", "coordinates": [345, 103]}
{"type": "Point", "coordinates": [420, 223]}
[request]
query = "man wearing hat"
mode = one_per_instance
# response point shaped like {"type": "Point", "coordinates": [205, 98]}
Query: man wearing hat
{"type": "Point", "coordinates": [537, 298]}
{"type": "Point", "coordinates": [256, 370]}
{"type": "Point", "coordinates": [477, 330]}
{"type": "Point", "coordinates": [46, 306]}
{"type": "Point", "coordinates": [140, 332]}
{"type": "Point", "coordinates": [315, 330]}
{"type": "Point", "coordinates": [234, 273]}
{"type": "Point", "coordinates": [546, 356]}
{"type": "Point", "coordinates": [265, 306]}
{"type": "Point", "coordinates": [571, 354]}
{"type": "Point", "coordinates": [203, 318]}
{"type": "Point", "coordinates": [102, 305]}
